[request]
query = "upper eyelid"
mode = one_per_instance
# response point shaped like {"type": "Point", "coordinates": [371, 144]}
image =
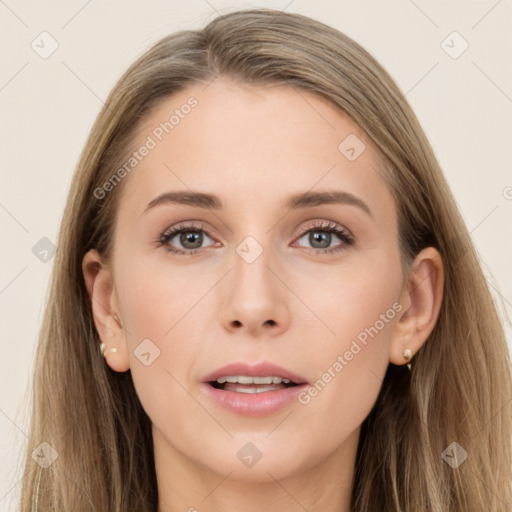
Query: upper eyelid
{"type": "Point", "coordinates": [185, 226]}
{"type": "Point", "coordinates": [199, 226]}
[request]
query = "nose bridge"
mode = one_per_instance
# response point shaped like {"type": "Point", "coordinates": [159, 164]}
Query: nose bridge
{"type": "Point", "coordinates": [251, 273]}
{"type": "Point", "coordinates": [251, 276]}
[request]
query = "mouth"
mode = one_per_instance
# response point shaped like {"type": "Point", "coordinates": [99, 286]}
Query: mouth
{"type": "Point", "coordinates": [259, 378]}
{"type": "Point", "coordinates": [253, 390]}
{"type": "Point", "coordinates": [249, 384]}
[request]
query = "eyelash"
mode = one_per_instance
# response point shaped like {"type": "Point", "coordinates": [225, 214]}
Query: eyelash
{"type": "Point", "coordinates": [327, 227]}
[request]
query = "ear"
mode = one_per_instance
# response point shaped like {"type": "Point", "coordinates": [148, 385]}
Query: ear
{"type": "Point", "coordinates": [107, 319]}
{"type": "Point", "coordinates": [421, 300]}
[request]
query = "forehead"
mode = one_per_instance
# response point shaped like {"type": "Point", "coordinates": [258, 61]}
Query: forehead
{"type": "Point", "coordinates": [231, 139]}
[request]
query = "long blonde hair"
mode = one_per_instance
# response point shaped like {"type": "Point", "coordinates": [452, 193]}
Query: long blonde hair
{"type": "Point", "coordinates": [460, 381]}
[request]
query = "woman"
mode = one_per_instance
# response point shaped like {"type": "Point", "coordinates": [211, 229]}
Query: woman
{"type": "Point", "coordinates": [264, 295]}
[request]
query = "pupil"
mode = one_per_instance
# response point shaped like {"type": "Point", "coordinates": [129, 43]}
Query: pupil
{"type": "Point", "coordinates": [320, 236]}
{"type": "Point", "coordinates": [192, 237]}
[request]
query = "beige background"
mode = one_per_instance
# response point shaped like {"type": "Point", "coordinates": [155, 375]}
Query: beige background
{"type": "Point", "coordinates": [48, 106]}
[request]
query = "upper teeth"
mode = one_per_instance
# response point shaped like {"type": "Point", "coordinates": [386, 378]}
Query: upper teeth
{"type": "Point", "coordinates": [243, 379]}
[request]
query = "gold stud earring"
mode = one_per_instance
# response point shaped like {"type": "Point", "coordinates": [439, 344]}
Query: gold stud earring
{"type": "Point", "coordinates": [103, 347]}
{"type": "Point", "coordinates": [407, 355]}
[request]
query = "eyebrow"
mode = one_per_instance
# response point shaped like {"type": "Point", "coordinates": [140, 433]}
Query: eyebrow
{"type": "Point", "coordinates": [294, 202]}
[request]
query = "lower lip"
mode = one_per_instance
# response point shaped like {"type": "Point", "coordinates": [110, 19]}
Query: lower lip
{"type": "Point", "coordinates": [253, 404]}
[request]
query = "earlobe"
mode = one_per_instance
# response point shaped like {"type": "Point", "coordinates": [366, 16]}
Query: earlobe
{"type": "Point", "coordinates": [101, 291]}
{"type": "Point", "coordinates": [422, 296]}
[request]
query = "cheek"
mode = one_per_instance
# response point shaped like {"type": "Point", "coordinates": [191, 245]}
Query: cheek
{"type": "Point", "coordinates": [156, 303]}
{"type": "Point", "coordinates": [349, 371]}
{"type": "Point", "coordinates": [154, 295]}
{"type": "Point", "coordinates": [351, 299]}
{"type": "Point", "coordinates": [359, 305]}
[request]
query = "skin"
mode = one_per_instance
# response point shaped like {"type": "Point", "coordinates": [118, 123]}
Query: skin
{"type": "Point", "coordinates": [254, 147]}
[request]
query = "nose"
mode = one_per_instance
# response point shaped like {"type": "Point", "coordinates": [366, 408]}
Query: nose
{"type": "Point", "coordinates": [255, 299]}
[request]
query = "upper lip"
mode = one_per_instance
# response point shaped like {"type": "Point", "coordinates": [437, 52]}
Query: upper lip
{"type": "Point", "coordinates": [264, 369]}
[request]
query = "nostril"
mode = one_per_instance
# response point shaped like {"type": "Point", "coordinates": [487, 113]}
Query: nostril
{"type": "Point", "coordinates": [237, 323]}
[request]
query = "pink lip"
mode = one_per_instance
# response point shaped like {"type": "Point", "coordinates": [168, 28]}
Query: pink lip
{"type": "Point", "coordinates": [253, 404]}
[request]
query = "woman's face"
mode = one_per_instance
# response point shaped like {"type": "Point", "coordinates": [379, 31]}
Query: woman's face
{"type": "Point", "coordinates": [291, 260]}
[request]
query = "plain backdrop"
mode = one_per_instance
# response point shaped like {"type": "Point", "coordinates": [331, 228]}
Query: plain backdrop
{"type": "Point", "coordinates": [463, 100]}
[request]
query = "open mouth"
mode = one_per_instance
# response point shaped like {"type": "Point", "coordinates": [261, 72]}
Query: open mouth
{"type": "Point", "coordinates": [246, 384]}
{"type": "Point", "coordinates": [264, 392]}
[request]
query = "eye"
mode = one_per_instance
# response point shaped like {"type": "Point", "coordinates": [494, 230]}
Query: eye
{"type": "Point", "coordinates": [322, 234]}
{"type": "Point", "coordinates": [184, 239]}
{"type": "Point", "coordinates": [187, 239]}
